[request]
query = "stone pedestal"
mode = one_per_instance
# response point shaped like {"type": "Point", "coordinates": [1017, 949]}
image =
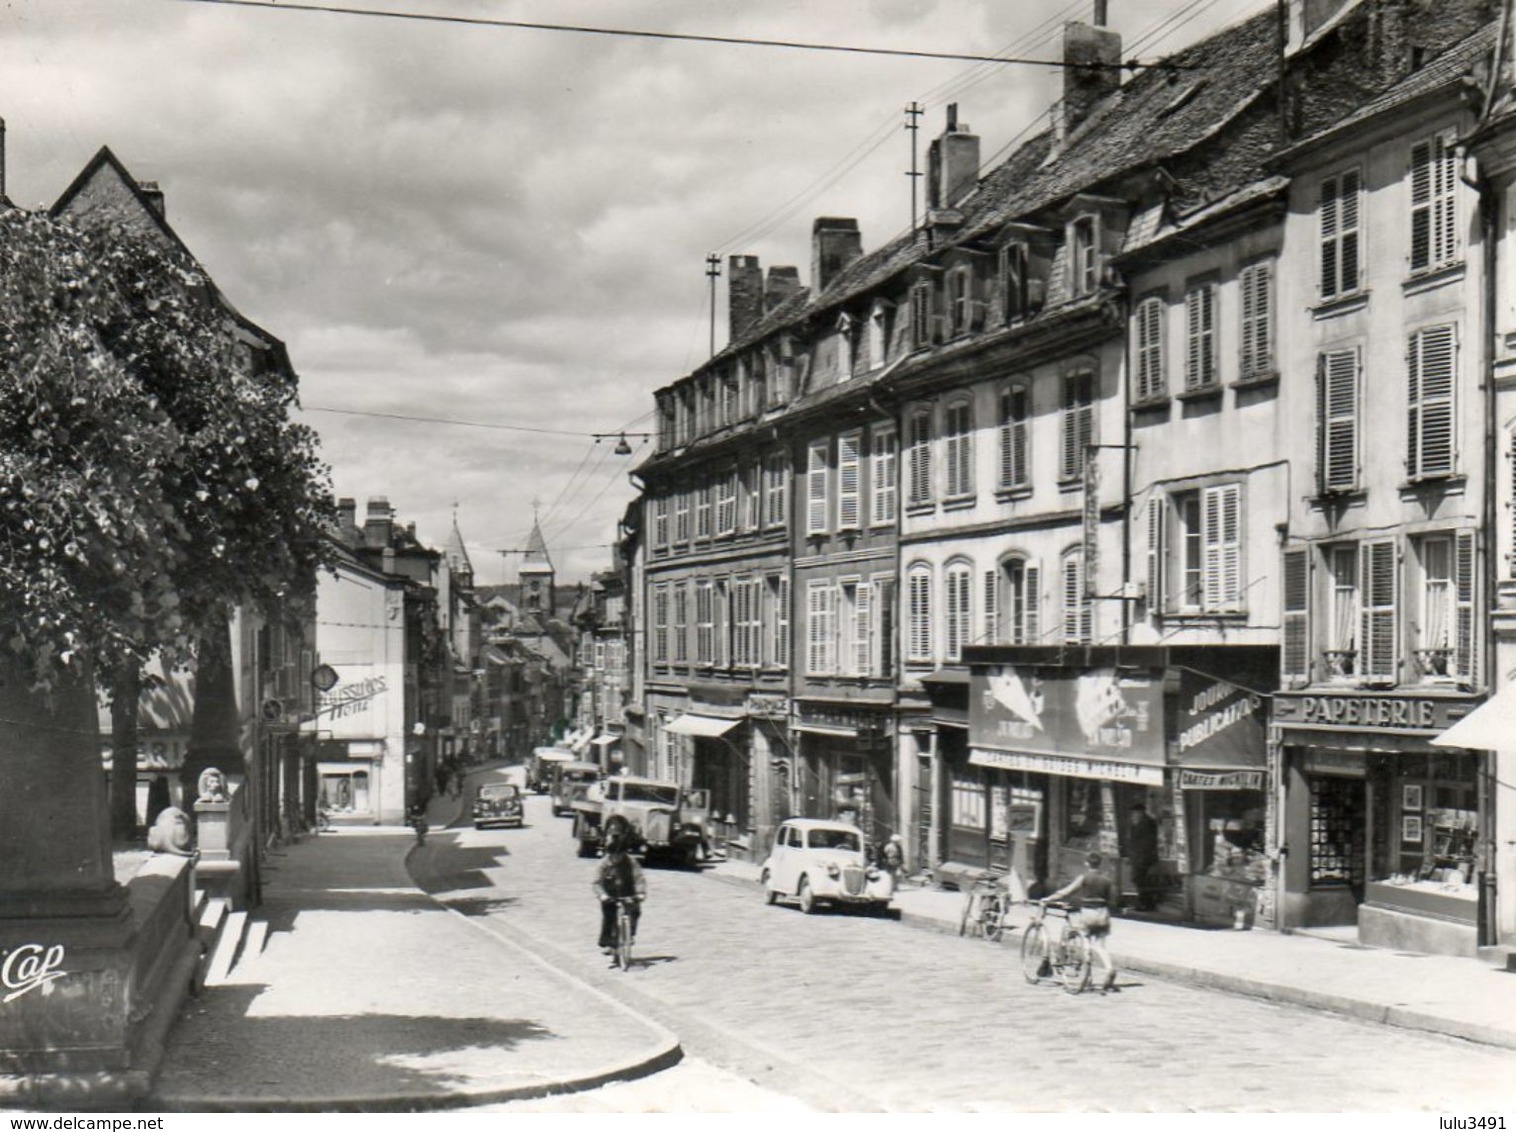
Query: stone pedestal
{"type": "Point", "coordinates": [79, 979]}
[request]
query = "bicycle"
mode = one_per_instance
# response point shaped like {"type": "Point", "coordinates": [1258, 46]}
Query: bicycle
{"type": "Point", "coordinates": [985, 905]}
{"type": "Point", "coordinates": [1071, 957]}
{"type": "Point", "coordinates": [417, 822]}
{"type": "Point", "coordinates": [622, 956]}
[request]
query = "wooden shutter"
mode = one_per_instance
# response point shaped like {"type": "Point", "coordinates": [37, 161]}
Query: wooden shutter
{"type": "Point", "coordinates": [849, 482]}
{"type": "Point", "coordinates": [1257, 285]}
{"type": "Point", "coordinates": [1295, 646]}
{"type": "Point", "coordinates": [1421, 205]}
{"type": "Point", "coordinates": [782, 624]}
{"type": "Point", "coordinates": [1013, 436]}
{"type": "Point", "coordinates": [1075, 607]}
{"type": "Point", "coordinates": [1337, 421]}
{"type": "Point", "coordinates": [1348, 238]}
{"type": "Point", "coordinates": [1200, 336]}
{"type": "Point", "coordinates": [815, 628]}
{"type": "Point", "coordinates": [815, 476]}
{"type": "Point", "coordinates": [1221, 541]}
{"type": "Point", "coordinates": [921, 615]}
{"type": "Point", "coordinates": [1431, 363]}
{"type": "Point", "coordinates": [1032, 603]}
{"type": "Point", "coordinates": [1377, 583]}
{"type": "Point", "coordinates": [921, 456]}
{"type": "Point", "coordinates": [861, 662]}
{"type": "Point", "coordinates": [1158, 507]}
{"type": "Point", "coordinates": [991, 632]}
{"type": "Point", "coordinates": [1150, 376]}
{"type": "Point", "coordinates": [1465, 640]}
{"type": "Point", "coordinates": [883, 474]}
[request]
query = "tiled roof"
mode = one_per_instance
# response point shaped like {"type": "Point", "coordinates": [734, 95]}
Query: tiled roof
{"type": "Point", "coordinates": [1445, 70]}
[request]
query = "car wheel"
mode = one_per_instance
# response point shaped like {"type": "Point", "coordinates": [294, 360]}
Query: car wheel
{"type": "Point", "coordinates": [769, 895]}
{"type": "Point", "coordinates": [477, 825]}
{"type": "Point", "coordinates": [808, 903]}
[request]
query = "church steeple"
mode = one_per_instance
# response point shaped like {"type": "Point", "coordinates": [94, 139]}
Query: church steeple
{"type": "Point", "coordinates": [536, 574]}
{"type": "Point", "coordinates": [457, 555]}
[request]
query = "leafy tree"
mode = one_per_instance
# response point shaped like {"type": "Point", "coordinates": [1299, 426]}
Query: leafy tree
{"type": "Point", "coordinates": [150, 475]}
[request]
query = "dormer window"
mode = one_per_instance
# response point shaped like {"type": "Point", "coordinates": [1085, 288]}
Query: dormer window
{"type": "Point", "coordinates": [964, 310]}
{"type": "Point", "coordinates": [878, 334]}
{"type": "Point", "coordinates": [921, 314]}
{"type": "Point", "coordinates": [1084, 255]}
{"type": "Point", "coordinates": [844, 347]}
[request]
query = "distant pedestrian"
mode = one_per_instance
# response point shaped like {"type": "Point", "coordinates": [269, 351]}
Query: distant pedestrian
{"type": "Point", "coordinates": [1142, 852]}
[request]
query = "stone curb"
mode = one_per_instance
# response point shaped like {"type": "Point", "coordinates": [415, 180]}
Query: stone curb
{"type": "Point", "coordinates": [1407, 1018]}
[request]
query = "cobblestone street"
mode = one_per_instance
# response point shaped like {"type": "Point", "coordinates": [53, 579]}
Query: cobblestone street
{"type": "Point", "coordinates": [886, 1016]}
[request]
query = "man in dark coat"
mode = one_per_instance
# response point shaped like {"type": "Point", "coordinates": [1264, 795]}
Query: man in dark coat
{"type": "Point", "coordinates": [1142, 851]}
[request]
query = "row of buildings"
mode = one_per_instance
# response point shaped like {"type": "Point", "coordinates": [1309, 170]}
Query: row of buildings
{"type": "Point", "coordinates": [1167, 461]}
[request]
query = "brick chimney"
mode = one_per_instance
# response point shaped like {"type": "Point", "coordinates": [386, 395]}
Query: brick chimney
{"type": "Point", "coordinates": [744, 295]}
{"type": "Point", "coordinates": [347, 520]}
{"type": "Point", "coordinates": [379, 524]}
{"type": "Point", "coordinates": [1084, 85]}
{"type": "Point", "coordinates": [835, 243]}
{"type": "Point", "coordinates": [782, 283]}
{"type": "Point", "coordinates": [952, 163]}
{"type": "Point", "coordinates": [154, 196]}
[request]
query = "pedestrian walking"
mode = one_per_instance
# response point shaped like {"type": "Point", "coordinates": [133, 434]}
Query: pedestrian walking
{"type": "Point", "coordinates": [1142, 852]}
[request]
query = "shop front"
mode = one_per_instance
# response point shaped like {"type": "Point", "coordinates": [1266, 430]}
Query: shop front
{"type": "Point", "coordinates": [845, 764]}
{"type": "Point", "coordinates": [1382, 829]}
{"type": "Point", "coordinates": [1149, 761]}
{"type": "Point", "coordinates": [348, 778]}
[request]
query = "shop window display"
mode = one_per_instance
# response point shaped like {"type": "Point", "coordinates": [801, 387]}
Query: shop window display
{"type": "Point", "coordinates": [1337, 831]}
{"type": "Point", "coordinates": [1229, 841]}
{"type": "Point", "coordinates": [1426, 822]}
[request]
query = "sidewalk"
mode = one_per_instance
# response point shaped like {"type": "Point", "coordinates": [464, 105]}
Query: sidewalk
{"type": "Point", "coordinates": [369, 995]}
{"type": "Point", "coordinates": [1464, 998]}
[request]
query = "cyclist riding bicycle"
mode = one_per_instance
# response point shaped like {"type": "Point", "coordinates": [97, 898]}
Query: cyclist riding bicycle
{"type": "Point", "coordinates": [1091, 893]}
{"type": "Point", "coordinates": [618, 877]}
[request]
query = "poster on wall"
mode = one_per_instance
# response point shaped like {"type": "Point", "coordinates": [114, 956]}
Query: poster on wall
{"type": "Point", "coordinates": [1105, 713]}
{"type": "Point", "coordinates": [1218, 724]}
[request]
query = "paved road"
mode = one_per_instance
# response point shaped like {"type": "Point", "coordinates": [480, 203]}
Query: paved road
{"type": "Point", "coordinates": [857, 1013]}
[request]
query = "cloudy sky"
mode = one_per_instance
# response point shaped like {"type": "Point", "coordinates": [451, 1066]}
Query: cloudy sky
{"type": "Point", "coordinates": [505, 230]}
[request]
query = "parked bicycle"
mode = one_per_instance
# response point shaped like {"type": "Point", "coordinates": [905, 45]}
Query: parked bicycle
{"type": "Point", "coordinates": [986, 904]}
{"type": "Point", "coordinates": [1070, 960]}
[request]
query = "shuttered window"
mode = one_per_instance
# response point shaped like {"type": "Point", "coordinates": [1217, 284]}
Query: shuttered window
{"type": "Point", "coordinates": [990, 599]}
{"type": "Point", "coordinates": [705, 623]}
{"type": "Point", "coordinates": [1465, 630]}
{"type": "Point", "coordinates": [815, 487]}
{"type": "Point", "coordinates": [1078, 423]}
{"type": "Point", "coordinates": [682, 517]}
{"type": "Point", "coordinates": [1337, 421]}
{"type": "Point", "coordinates": [661, 521]}
{"type": "Point", "coordinates": [1021, 598]}
{"type": "Point", "coordinates": [958, 584]}
{"type": "Point", "coordinates": [660, 624]}
{"type": "Point", "coordinates": [1431, 358]}
{"type": "Point", "coordinates": [1379, 633]}
{"type": "Point", "coordinates": [921, 456]}
{"type": "Point", "coordinates": [820, 628]}
{"type": "Point", "coordinates": [1015, 424]}
{"type": "Point", "coordinates": [919, 596]}
{"type": "Point", "coordinates": [1078, 611]}
{"type": "Point", "coordinates": [921, 315]}
{"type": "Point", "coordinates": [1084, 256]}
{"type": "Point", "coordinates": [1013, 275]}
{"type": "Point", "coordinates": [1151, 380]}
{"type": "Point", "coordinates": [1221, 538]}
{"type": "Point", "coordinates": [861, 646]}
{"type": "Point", "coordinates": [958, 449]}
{"type": "Point", "coordinates": [1339, 218]}
{"type": "Point", "coordinates": [1434, 217]}
{"type": "Point", "coordinates": [1295, 646]}
{"type": "Point", "coordinates": [1158, 514]}
{"type": "Point", "coordinates": [1200, 336]}
{"type": "Point", "coordinates": [703, 497]}
{"type": "Point", "coordinates": [884, 467]}
{"type": "Point", "coordinates": [681, 641]}
{"type": "Point", "coordinates": [1255, 284]}
{"type": "Point", "coordinates": [775, 473]}
{"type": "Point", "coordinates": [849, 481]}
{"type": "Point", "coordinates": [779, 589]}
{"type": "Point", "coordinates": [726, 503]}
{"type": "Point", "coordinates": [1341, 654]}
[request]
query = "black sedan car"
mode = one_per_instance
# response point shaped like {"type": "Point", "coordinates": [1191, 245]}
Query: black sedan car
{"type": "Point", "coordinates": [497, 803]}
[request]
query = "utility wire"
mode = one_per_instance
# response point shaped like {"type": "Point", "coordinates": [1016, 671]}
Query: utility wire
{"type": "Point", "coordinates": [683, 37]}
{"type": "Point", "coordinates": [451, 421]}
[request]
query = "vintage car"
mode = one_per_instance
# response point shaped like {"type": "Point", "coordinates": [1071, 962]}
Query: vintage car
{"type": "Point", "coordinates": [823, 862]}
{"type": "Point", "coordinates": [497, 803]}
{"type": "Point", "coordinates": [570, 781]}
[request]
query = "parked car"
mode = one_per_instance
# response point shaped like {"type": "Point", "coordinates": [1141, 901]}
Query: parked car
{"type": "Point", "coordinates": [824, 862]}
{"type": "Point", "coordinates": [570, 781]}
{"type": "Point", "coordinates": [498, 803]}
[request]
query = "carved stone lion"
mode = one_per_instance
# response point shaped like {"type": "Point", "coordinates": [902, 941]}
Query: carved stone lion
{"type": "Point", "coordinates": [171, 833]}
{"type": "Point", "coordinates": [212, 785]}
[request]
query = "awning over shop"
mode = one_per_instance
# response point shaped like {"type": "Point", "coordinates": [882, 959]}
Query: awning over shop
{"type": "Point", "coordinates": [1489, 727]}
{"type": "Point", "coordinates": [605, 739]}
{"type": "Point", "coordinates": [703, 726]}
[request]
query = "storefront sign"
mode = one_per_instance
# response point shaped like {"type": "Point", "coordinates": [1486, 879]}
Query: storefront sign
{"type": "Point", "coordinates": [1221, 780]}
{"type": "Point", "coordinates": [1105, 714]}
{"type": "Point", "coordinates": [1218, 724]}
{"type": "Point", "coordinates": [1361, 712]}
{"type": "Point", "coordinates": [832, 720]}
{"type": "Point", "coordinates": [352, 698]}
{"type": "Point", "coordinates": [1070, 766]}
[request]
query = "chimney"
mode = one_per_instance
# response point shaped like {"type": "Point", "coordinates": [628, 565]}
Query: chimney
{"type": "Point", "coordinates": [347, 520]}
{"type": "Point", "coordinates": [380, 522]}
{"type": "Point", "coordinates": [835, 243]}
{"type": "Point", "coordinates": [782, 283]}
{"type": "Point", "coordinates": [1085, 85]}
{"type": "Point", "coordinates": [744, 295]}
{"type": "Point", "coordinates": [154, 196]}
{"type": "Point", "coordinates": [952, 163]}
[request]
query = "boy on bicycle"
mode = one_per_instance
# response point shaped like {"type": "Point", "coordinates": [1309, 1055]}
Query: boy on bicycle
{"type": "Point", "coordinates": [1091, 893]}
{"type": "Point", "coordinates": [618, 877]}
